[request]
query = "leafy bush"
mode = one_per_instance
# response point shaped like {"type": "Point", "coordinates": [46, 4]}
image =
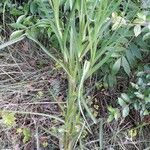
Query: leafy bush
{"type": "Point", "coordinates": [135, 44]}
{"type": "Point", "coordinates": [137, 98]}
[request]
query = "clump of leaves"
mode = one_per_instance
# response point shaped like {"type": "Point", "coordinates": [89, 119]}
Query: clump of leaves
{"type": "Point", "coordinates": [12, 8]}
{"type": "Point", "coordinates": [142, 21]}
{"type": "Point", "coordinates": [26, 135]}
{"type": "Point", "coordinates": [137, 98]}
{"type": "Point", "coordinates": [114, 113]}
{"type": "Point", "coordinates": [140, 97]}
{"type": "Point", "coordinates": [8, 119]}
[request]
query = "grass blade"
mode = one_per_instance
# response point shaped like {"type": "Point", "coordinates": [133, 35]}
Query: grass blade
{"type": "Point", "coordinates": [9, 43]}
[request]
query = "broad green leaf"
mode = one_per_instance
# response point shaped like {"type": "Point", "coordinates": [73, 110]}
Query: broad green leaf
{"type": "Point", "coordinates": [139, 95]}
{"type": "Point", "coordinates": [146, 36]}
{"type": "Point", "coordinates": [111, 109]}
{"type": "Point", "coordinates": [138, 21]}
{"type": "Point", "coordinates": [142, 16]}
{"type": "Point", "coordinates": [111, 80]}
{"type": "Point", "coordinates": [118, 21]}
{"type": "Point", "coordinates": [141, 73]}
{"type": "Point", "coordinates": [136, 106]}
{"type": "Point", "coordinates": [146, 112]}
{"type": "Point", "coordinates": [125, 97]}
{"type": "Point", "coordinates": [126, 65]}
{"type": "Point", "coordinates": [110, 118]}
{"type": "Point", "coordinates": [125, 111]}
{"type": "Point", "coordinates": [146, 29]}
{"type": "Point", "coordinates": [140, 81]}
{"type": "Point", "coordinates": [105, 81]}
{"type": "Point", "coordinates": [121, 102]}
{"type": "Point", "coordinates": [116, 66]}
{"type": "Point", "coordinates": [147, 99]}
{"type": "Point", "coordinates": [32, 32]}
{"type": "Point", "coordinates": [130, 57]}
{"type": "Point", "coordinates": [137, 30]}
{"type": "Point", "coordinates": [134, 85]}
{"type": "Point", "coordinates": [135, 51]}
{"type": "Point", "coordinates": [33, 7]}
{"type": "Point", "coordinates": [16, 34]}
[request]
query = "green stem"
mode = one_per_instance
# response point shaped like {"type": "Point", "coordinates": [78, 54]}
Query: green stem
{"type": "Point", "coordinates": [70, 117]}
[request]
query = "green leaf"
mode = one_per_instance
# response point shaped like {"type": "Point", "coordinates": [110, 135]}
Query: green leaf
{"type": "Point", "coordinates": [111, 109]}
{"type": "Point", "coordinates": [142, 16]}
{"type": "Point", "coordinates": [26, 134]}
{"type": "Point", "coordinates": [135, 51]}
{"type": "Point", "coordinates": [147, 99]}
{"type": "Point", "coordinates": [125, 97]}
{"type": "Point", "coordinates": [116, 66]}
{"type": "Point", "coordinates": [8, 119]}
{"type": "Point", "coordinates": [134, 85]}
{"type": "Point", "coordinates": [43, 23]}
{"type": "Point", "coordinates": [146, 112]}
{"type": "Point", "coordinates": [16, 34]}
{"type": "Point", "coordinates": [18, 26]}
{"type": "Point", "coordinates": [117, 114]}
{"type": "Point", "coordinates": [126, 65]}
{"type": "Point", "coordinates": [145, 29]}
{"type": "Point", "coordinates": [110, 118]}
{"type": "Point", "coordinates": [138, 21]}
{"type": "Point", "coordinates": [140, 82]}
{"type": "Point", "coordinates": [139, 95]}
{"type": "Point", "coordinates": [111, 80]}
{"type": "Point", "coordinates": [146, 36]}
{"type": "Point", "coordinates": [125, 111]}
{"type": "Point", "coordinates": [136, 105]}
{"type": "Point", "coordinates": [20, 19]}
{"type": "Point", "coordinates": [137, 30]}
{"type": "Point", "coordinates": [130, 57]}
{"type": "Point", "coordinates": [32, 32]}
{"type": "Point", "coordinates": [121, 102]}
{"type": "Point", "coordinates": [33, 7]}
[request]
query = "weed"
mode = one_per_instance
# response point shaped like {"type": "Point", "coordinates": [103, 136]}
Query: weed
{"type": "Point", "coordinates": [83, 37]}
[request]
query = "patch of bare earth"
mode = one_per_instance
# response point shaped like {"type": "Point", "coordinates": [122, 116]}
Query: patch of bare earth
{"type": "Point", "coordinates": [30, 84]}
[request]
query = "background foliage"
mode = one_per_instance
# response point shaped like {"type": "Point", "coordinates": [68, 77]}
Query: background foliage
{"type": "Point", "coordinates": [98, 46]}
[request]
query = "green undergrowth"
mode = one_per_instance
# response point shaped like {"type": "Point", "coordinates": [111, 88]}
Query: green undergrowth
{"type": "Point", "coordinates": [87, 41]}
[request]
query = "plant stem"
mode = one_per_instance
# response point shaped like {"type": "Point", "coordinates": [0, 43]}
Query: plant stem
{"type": "Point", "coordinates": [71, 115]}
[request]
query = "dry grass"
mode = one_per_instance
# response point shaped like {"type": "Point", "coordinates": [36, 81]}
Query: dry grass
{"type": "Point", "coordinates": [29, 85]}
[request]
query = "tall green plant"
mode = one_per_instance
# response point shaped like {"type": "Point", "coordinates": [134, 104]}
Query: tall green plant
{"type": "Point", "coordinates": [84, 42]}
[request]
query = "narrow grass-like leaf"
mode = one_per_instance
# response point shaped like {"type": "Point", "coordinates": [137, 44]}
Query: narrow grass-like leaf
{"type": "Point", "coordinates": [16, 34]}
{"type": "Point", "coordinates": [13, 41]}
{"type": "Point", "coordinates": [48, 53]}
{"type": "Point", "coordinates": [101, 145]}
{"type": "Point", "coordinates": [34, 113]}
